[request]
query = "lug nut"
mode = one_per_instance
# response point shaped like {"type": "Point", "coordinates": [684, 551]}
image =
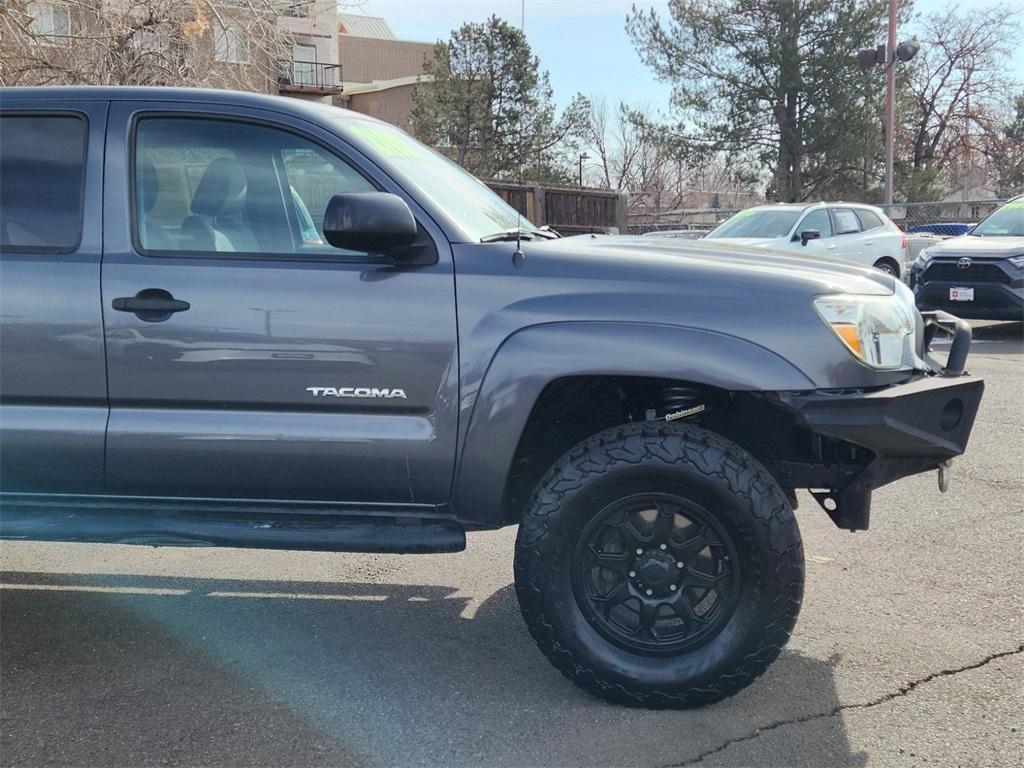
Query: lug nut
{"type": "Point", "coordinates": [663, 547]}
{"type": "Point", "coordinates": [632, 574]}
{"type": "Point", "coordinates": [650, 592]}
{"type": "Point", "coordinates": [673, 586]}
{"type": "Point", "coordinates": [679, 565]}
{"type": "Point", "coordinates": [639, 551]}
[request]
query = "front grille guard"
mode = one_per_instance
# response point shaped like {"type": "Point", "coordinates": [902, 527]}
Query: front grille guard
{"type": "Point", "coordinates": [959, 329]}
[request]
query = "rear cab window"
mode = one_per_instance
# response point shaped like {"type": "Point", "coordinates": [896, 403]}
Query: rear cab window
{"type": "Point", "coordinates": [42, 167]}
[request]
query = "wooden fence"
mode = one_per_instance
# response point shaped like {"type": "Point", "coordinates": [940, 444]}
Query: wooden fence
{"type": "Point", "coordinates": [567, 210]}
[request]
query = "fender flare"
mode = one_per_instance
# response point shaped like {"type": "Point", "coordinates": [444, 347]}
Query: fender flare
{"type": "Point", "coordinates": [532, 357]}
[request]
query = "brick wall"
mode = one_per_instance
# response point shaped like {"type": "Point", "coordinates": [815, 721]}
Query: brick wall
{"type": "Point", "coordinates": [365, 59]}
{"type": "Point", "coordinates": [393, 105]}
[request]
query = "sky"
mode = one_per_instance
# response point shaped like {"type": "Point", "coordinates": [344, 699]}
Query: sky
{"type": "Point", "coordinates": [582, 43]}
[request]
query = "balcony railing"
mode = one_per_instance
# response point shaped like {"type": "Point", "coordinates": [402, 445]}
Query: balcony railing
{"type": "Point", "coordinates": [310, 77]}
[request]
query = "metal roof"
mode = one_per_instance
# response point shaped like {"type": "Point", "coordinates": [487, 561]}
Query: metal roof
{"type": "Point", "coordinates": [358, 25]}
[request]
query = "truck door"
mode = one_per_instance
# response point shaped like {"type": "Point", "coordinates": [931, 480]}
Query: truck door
{"type": "Point", "coordinates": [53, 389]}
{"type": "Point", "coordinates": [247, 358]}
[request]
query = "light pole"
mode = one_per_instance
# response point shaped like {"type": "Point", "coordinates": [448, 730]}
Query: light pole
{"type": "Point", "coordinates": [583, 157]}
{"type": "Point", "coordinates": [890, 102]}
{"type": "Point", "coordinates": [887, 55]}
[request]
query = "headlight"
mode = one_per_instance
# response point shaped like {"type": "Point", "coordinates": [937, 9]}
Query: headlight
{"type": "Point", "coordinates": [879, 330]}
{"type": "Point", "coordinates": [922, 260]}
{"type": "Point", "coordinates": [1017, 261]}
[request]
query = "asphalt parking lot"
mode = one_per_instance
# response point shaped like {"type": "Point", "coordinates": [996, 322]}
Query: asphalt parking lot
{"type": "Point", "coordinates": [909, 650]}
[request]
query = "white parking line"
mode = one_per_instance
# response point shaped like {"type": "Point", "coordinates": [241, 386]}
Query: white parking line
{"type": "Point", "coordinates": [84, 588]}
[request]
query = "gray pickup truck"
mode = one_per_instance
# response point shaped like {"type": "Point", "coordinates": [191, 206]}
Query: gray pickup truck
{"type": "Point", "coordinates": [186, 361]}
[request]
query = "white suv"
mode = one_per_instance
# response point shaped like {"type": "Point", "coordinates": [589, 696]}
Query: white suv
{"type": "Point", "coordinates": [851, 231]}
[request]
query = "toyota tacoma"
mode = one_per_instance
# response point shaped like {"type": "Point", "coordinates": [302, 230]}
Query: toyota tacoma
{"type": "Point", "coordinates": [186, 363]}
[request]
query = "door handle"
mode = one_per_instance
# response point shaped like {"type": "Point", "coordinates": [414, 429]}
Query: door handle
{"type": "Point", "coordinates": [150, 304]}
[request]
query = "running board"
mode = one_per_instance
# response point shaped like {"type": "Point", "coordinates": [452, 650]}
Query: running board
{"type": "Point", "coordinates": [319, 533]}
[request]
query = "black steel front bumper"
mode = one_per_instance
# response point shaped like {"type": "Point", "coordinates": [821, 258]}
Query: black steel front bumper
{"type": "Point", "coordinates": [907, 428]}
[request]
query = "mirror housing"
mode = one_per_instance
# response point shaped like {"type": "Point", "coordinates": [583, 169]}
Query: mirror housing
{"type": "Point", "coordinates": [377, 222]}
{"type": "Point", "coordinates": [809, 234]}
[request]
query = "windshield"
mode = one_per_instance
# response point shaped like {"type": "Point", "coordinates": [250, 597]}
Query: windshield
{"type": "Point", "coordinates": [1008, 221]}
{"type": "Point", "coordinates": [758, 223]}
{"type": "Point", "coordinates": [478, 210]}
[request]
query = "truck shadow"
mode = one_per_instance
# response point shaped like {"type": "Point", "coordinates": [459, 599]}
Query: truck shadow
{"type": "Point", "coordinates": [132, 670]}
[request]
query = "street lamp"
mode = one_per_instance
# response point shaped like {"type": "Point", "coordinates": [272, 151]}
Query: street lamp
{"type": "Point", "coordinates": [887, 55]}
{"type": "Point", "coordinates": [583, 157]}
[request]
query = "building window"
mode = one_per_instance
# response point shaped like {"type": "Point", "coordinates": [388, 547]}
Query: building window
{"type": "Point", "coordinates": [230, 44]}
{"type": "Point", "coordinates": [149, 41]}
{"type": "Point", "coordinates": [50, 23]}
{"type": "Point", "coordinates": [304, 64]}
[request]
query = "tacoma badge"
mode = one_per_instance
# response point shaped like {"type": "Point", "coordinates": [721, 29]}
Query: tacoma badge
{"type": "Point", "coordinates": [385, 393]}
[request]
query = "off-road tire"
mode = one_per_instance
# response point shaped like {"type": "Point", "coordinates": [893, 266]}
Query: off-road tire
{"type": "Point", "coordinates": [691, 463]}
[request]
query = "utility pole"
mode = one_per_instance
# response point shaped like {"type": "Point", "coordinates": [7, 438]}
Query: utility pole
{"type": "Point", "coordinates": [890, 102]}
{"type": "Point", "coordinates": [887, 55]}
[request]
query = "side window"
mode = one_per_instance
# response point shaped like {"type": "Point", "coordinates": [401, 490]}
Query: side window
{"type": "Point", "coordinates": [217, 186]}
{"type": "Point", "coordinates": [868, 219]}
{"type": "Point", "coordinates": [846, 221]}
{"type": "Point", "coordinates": [42, 172]}
{"type": "Point", "coordinates": [818, 220]}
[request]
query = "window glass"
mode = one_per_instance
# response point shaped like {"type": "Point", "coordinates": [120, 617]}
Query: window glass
{"type": "Point", "coordinates": [230, 187]}
{"type": "Point", "coordinates": [758, 223]}
{"type": "Point", "coordinates": [1007, 221]}
{"type": "Point", "coordinates": [51, 23]}
{"type": "Point", "coordinates": [846, 221]}
{"type": "Point", "coordinates": [230, 44]}
{"type": "Point", "coordinates": [42, 165]}
{"type": "Point", "coordinates": [477, 209]}
{"type": "Point", "coordinates": [868, 219]}
{"type": "Point", "coordinates": [818, 220]}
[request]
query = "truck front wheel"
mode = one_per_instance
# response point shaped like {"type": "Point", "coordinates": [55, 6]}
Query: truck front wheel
{"type": "Point", "coordinates": [659, 565]}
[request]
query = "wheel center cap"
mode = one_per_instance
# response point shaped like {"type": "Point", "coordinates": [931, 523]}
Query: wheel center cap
{"type": "Point", "coordinates": [655, 570]}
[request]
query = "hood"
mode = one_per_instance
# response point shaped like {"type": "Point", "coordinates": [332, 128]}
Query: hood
{"type": "Point", "coordinates": [980, 247]}
{"type": "Point", "coordinates": [763, 297]}
{"type": "Point", "coordinates": [731, 259]}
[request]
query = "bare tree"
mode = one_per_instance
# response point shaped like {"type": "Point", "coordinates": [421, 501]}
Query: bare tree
{"type": "Point", "coordinates": [628, 153]}
{"type": "Point", "coordinates": [955, 88]}
{"type": "Point", "coordinates": [222, 43]}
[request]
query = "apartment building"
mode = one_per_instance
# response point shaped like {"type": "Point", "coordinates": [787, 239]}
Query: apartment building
{"type": "Point", "coordinates": [304, 49]}
{"type": "Point", "coordinates": [380, 71]}
{"type": "Point", "coordinates": [310, 29]}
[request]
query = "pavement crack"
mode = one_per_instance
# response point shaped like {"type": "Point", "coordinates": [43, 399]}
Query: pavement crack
{"type": "Point", "coordinates": [903, 690]}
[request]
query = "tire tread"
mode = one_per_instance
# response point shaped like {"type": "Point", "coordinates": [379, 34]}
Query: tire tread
{"type": "Point", "coordinates": [712, 455]}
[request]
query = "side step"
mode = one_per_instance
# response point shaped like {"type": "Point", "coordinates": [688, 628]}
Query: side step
{"type": "Point", "coordinates": [319, 533]}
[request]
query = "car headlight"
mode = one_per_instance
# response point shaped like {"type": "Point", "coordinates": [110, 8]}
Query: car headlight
{"type": "Point", "coordinates": [878, 330]}
{"type": "Point", "coordinates": [1017, 261]}
{"type": "Point", "coordinates": [922, 260]}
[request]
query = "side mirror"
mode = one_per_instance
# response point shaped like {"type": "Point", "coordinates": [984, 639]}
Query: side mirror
{"type": "Point", "coordinates": [377, 222]}
{"type": "Point", "coordinates": [809, 234]}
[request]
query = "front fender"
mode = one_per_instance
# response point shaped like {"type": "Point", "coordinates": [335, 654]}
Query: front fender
{"type": "Point", "coordinates": [531, 358]}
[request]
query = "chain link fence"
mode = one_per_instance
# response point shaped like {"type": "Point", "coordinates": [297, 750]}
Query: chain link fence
{"type": "Point", "coordinates": [923, 222]}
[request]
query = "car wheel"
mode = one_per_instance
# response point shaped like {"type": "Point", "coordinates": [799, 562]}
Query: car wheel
{"type": "Point", "coordinates": [889, 267]}
{"type": "Point", "coordinates": [659, 565]}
